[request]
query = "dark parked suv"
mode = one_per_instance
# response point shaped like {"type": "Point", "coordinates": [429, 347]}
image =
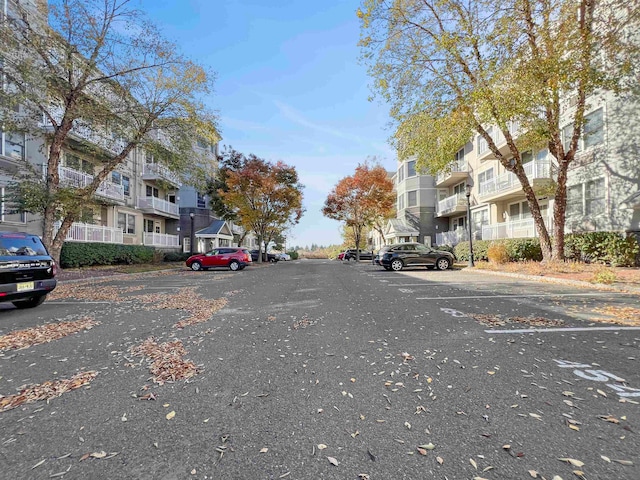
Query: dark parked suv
{"type": "Point", "coordinates": [415, 255]}
{"type": "Point", "coordinates": [351, 255]}
{"type": "Point", "coordinates": [26, 270]}
{"type": "Point", "coordinates": [270, 257]}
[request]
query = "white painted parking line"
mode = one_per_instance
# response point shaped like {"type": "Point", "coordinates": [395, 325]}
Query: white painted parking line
{"type": "Point", "coordinates": [79, 302]}
{"type": "Point", "coordinates": [566, 329]}
{"type": "Point", "coordinates": [532, 295]}
{"type": "Point", "coordinates": [432, 284]}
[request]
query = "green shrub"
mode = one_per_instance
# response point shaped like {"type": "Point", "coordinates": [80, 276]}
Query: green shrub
{"type": "Point", "coordinates": [518, 249]}
{"type": "Point", "coordinates": [176, 256]}
{"type": "Point", "coordinates": [497, 253]}
{"type": "Point", "coordinates": [612, 248]}
{"type": "Point", "coordinates": [604, 275]}
{"type": "Point", "coordinates": [88, 254]}
{"type": "Point", "coordinates": [293, 254]}
{"type": "Point", "coordinates": [480, 247]}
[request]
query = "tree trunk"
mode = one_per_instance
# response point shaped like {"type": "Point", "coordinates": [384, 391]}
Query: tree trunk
{"type": "Point", "coordinates": [58, 241]}
{"type": "Point", "coordinates": [534, 207]}
{"type": "Point", "coordinates": [560, 212]}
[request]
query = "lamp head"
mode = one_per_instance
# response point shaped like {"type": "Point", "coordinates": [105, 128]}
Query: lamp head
{"type": "Point", "coordinates": [192, 215]}
{"type": "Point", "coordinates": [467, 190]}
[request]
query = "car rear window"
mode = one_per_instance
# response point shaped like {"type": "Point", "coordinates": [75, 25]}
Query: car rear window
{"type": "Point", "coordinates": [12, 245]}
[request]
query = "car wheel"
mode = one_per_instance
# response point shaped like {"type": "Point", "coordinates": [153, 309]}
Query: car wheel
{"type": "Point", "coordinates": [234, 266]}
{"type": "Point", "coordinates": [443, 263]}
{"type": "Point", "coordinates": [272, 260]}
{"type": "Point", "coordinates": [196, 266]}
{"type": "Point", "coordinates": [30, 303]}
{"type": "Point", "coordinates": [396, 265]}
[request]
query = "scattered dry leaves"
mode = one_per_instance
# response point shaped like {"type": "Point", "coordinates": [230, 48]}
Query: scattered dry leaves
{"type": "Point", "coordinates": [201, 309]}
{"type": "Point", "coordinates": [620, 315]}
{"type": "Point", "coordinates": [168, 364]}
{"type": "Point", "coordinates": [44, 333]}
{"type": "Point", "coordinates": [46, 390]}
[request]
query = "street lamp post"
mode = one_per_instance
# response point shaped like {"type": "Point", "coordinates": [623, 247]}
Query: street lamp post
{"type": "Point", "coordinates": [468, 194]}
{"type": "Point", "coordinates": [191, 235]}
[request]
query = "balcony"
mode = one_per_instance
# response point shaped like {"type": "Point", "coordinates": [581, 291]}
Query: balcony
{"type": "Point", "coordinates": [85, 132]}
{"type": "Point", "coordinates": [484, 153]}
{"type": "Point", "coordinates": [84, 232]}
{"type": "Point", "coordinates": [160, 240]}
{"type": "Point", "coordinates": [459, 172]}
{"type": "Point", "coordinates": [452, 237]}
{"type": "Point", "coordinates": [74, 178]}
{"type": "Point", "coordinates": [524, 228]}
{"type": "Point", "coordinates": [451, 205]}
{"type": "Point", "coordinates": [155, 171]}
{"type": "Point", "coordinates": [507, 185]}
{"type": "Point", "coordinates": [157, 206]}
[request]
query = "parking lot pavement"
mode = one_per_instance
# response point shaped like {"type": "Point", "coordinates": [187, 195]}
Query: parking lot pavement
{"type": "Point", "coordinates": [320, 370]}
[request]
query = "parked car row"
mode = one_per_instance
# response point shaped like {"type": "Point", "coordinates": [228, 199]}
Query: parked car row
{"type": "Point", "coordinates": [233, 258]}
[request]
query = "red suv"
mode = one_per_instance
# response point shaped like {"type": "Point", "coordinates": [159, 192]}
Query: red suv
{"type": "Point", "coordinates": [234, 258]}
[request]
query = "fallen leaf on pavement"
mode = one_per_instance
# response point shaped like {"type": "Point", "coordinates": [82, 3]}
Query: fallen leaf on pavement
{"type": "Point", "coordinates": [333, 461]}
{"type": "Point", "coordinates": [170, 415]}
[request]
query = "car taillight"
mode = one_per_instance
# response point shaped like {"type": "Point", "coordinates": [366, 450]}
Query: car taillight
{"type": "Point", "coordinates": [54, 268]}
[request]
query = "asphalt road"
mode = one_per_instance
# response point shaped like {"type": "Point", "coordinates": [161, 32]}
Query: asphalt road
{"type": "Point", "coordinates": [320, 369]}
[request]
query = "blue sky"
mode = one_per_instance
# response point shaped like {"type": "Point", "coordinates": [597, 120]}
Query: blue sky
{"type": "Point", "coordinates": [289, 87]}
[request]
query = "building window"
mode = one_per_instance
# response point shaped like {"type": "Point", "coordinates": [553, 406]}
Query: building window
{"type": "Point", "coordinates": [411, 168]}
{"type": "Point", "coordinates": [519, 211]}
{"type": "Point", "coordinates": [76, 163]}
{"type": "Point", "coordinates": [485, 176]}
{"type": "Point", "coordinates": [587, 199]}
{"type": "Point", "coordinates": [594, 197]}
{"type": "Point", "coordinates": [593, 129]}
{"type": "Point", "coordinates": [152, 191]}
{"type": "Point", "coordinates": [400, 202]}
{"type": "Point", "coordinates": [483, 146]}
{"type": "Point", "coordinates": [201, 201]}
{"type": "Point", "coordinates": [13, 145]}
{"type": "Point", "coordinates": [401, 174]}
{"type": "Point", "coordinates": [116, 177]}
{"type": "Point", "coordinates": [460, 189]}
{"type": "Point", "coordinates": [412, 198]}
{"type": "Point", "coordinates": [148, 157]}
{"type": "Point", "coordinates": [479, 218]}
{"type": "Point", "coordinates": [148, 226]}
{"type": "Point", "coordinates": [127, 223]}
{"type": "Point", "coordinates": [8, 211]}
{"type": "Point", "coordinates": [592, 132]}
{"type": "Point", "coordinates": [459, 157]}
{"type": "Point", "coordinates": [126, 185]}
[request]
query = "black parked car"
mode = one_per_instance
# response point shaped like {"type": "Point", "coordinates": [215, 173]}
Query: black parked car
{"type": "Point", "coordinates": [415, 255]}
{"type": "Point", "coordinates": [26, 270]}
{"type": "Point", "coordinates": [269, 257]}
{"type": "Point", "coordinates": [351, 255]}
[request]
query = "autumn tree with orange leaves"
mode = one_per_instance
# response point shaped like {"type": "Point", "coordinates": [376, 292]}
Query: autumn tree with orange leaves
{"type": "Point", "coordinates": [266, 197]}
{"type": "Point", "coordinates": [360, 200]}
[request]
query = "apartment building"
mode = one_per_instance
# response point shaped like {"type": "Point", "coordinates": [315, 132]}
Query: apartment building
{"type": "Point", "coordinates": [415, 220]}
{"type": "Point", "coordinates": [603, 185]}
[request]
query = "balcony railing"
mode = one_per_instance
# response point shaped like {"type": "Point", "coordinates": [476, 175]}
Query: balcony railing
{"type": "Point", "coordinates": [84, 232]}
{"type": "Point", "coordinates": [456, 167]}
{"type": "Point", "coordinates": [450, 204]}
{"type": "Point", "coordinates": [508, 181]}
{"type": "Point", "coordinates": [452, 237]}
{"type": "Point", "coordinates": [524, 228]}
{"type": "Point", "coordinates": [153, 171]}
{"type": "Point", "coordinates": [74, 178]}
{"type": "Point", "coordinates": [158, 205]}
{"type": "Point", "coordinates": [94, 134]}
{"type": "Point", "coordinates": [160, 239]}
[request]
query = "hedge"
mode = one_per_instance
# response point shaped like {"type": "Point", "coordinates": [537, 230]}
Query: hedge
{"type": "Point", "coordinates": [612, 248]}
{"type": "Point", "coordinates": [597, 247]}
{"type": "Point", "coordinates": [88, 254]}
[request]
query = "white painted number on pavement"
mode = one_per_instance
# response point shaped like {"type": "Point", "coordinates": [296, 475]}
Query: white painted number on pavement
{"type": "Point", "coordinates": [452, 312]}
{"type": "Point", "coordinates": [585, 371]}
